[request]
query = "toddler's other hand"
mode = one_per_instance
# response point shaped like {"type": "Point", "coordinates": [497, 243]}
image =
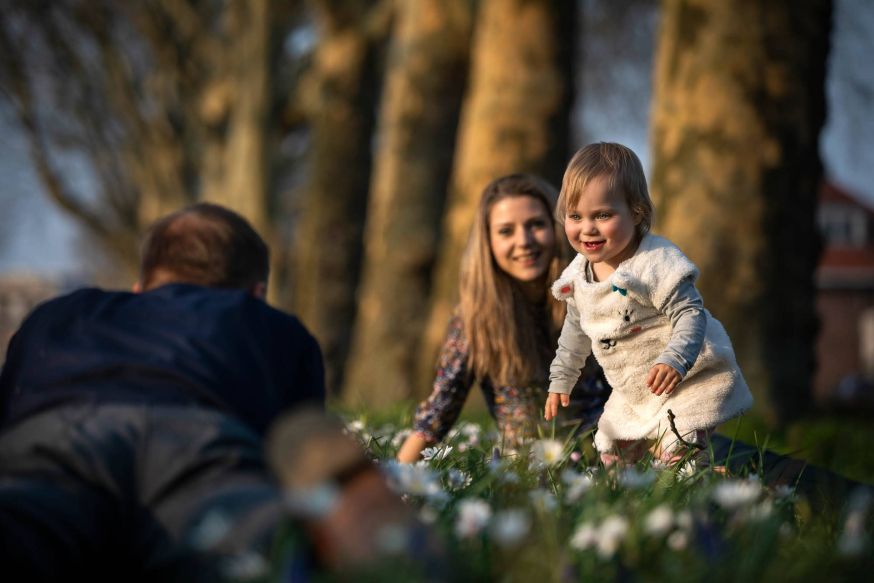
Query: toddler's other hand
{"type": "Point", "coordinates": [662, 378]}
{"type": "Point", "coordinates": [552, 401]}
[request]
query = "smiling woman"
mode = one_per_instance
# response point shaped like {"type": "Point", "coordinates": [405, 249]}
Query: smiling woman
{"type": "Point", "coordinates": [504, 330]}
{"type": "Point", "coordinates": [522, 239]}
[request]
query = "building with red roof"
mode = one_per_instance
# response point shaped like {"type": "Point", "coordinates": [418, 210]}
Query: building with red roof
{"type": "Point", "coordinates": [845, 299]}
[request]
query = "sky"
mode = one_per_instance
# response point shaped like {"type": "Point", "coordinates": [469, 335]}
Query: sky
{"type": "Point", "coordinates": [36, 237]}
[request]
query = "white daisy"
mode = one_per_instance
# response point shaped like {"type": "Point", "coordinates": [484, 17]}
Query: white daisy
{"type": "Point", "coordinates": [659, 521]}
{"type": "Point", "coordinates": [734, 494]}
{"type": "Point", "coordinates": [584, 536]}
{"type": "Point", "coordinates": [610, 535]}
{"type": "Point", "coordinates": [547, 452]}
{"type": "Point", "coordinates": [473, 515]}
{"type": "Point", "coordinates": [509, 527]}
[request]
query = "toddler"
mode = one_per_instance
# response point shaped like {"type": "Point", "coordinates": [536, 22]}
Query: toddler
{"type": "Point", "coordinates": [631, 299]}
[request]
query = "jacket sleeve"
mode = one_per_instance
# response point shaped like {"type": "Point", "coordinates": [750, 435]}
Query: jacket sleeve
{"type": "Point", "coordinates": [436, 415]}
{"type": "Point", "coordinates": [8, 374]}
{"type": "Point", "coordinates": [311, 372]}
{"type": "Point", "coordinates": [685, 310]}
{"type": "Point", "coordinates": [574, 347]}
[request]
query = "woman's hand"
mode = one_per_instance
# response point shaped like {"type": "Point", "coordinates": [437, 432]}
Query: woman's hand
{"type": "Point", "coordinates": [663, 379]}
{"type": "Point", "coordinates": [552, 401]}
{"type": "Point", "coordinates": [412, 448]}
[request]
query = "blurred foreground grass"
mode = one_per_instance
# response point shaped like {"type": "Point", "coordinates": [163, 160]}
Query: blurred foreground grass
{"type": "Point", "coordinates": [549, 512]}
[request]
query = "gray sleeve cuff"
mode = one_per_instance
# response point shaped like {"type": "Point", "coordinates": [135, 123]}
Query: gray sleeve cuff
{"type": "Point", "coordinates": [673, 363]}
{"type": "Point", "coordinates": [573, 349]}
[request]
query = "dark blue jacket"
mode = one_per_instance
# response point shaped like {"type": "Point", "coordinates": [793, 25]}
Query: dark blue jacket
{"type": "Point", "coordinates": [176, 344]}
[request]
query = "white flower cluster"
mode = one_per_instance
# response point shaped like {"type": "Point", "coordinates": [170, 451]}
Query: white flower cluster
{"type": "Point", "coordinates": [472, 517]}
{"type": "Point", "coordinates": [437, 453]}
{"type": "Point", "coordinates": [663, 522]}
{"type": "Point", "coordinates": [744, 498]}
{"type": "Point", "coordinates": [246, 566]}
{"type": "Point", "coordinates": [736, 494]}
{"type": "Point", "coordinates": [635, 479]}
{"type": "Point", "coordinates": [507, 527]}
{"type": "Point", "coordinates": [415, 480]}
{"type": "Point", "coordinates": [628, 511]}
{"type": "Point", "coordinates": [542, 500]}
{"type": "Point", "coordinates": [458, 479]}
{"type": "Point", "coordinates": [853, 540]}
{"type": "Point", "coordinates": [465, 436]}
{"type": "Point", "coordinates": [358, 429]}
{"type": "Point", "coordinates": [576, 484]}
{"type": "Point", "coordinates": [605, 537]}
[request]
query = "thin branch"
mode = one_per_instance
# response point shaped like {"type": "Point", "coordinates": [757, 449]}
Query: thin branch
{"type": "Point", "coordinates": [688, 444]}
{"type": "Point", "coordinates": [17, 86]}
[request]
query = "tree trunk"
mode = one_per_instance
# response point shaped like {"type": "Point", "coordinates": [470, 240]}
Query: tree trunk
{"type": "Point", "coordinates": [328, 236]}
{"type": "Point", "coordinates": [738, 107]}
{"type": "Point", "coordinates": [176, 112]}
{"type": "Point", "coordinates": [515, 118]}
{"type": "Point", "coordinates": [418, 119]}
{"type": "Point", "coordinates": [239, 178]}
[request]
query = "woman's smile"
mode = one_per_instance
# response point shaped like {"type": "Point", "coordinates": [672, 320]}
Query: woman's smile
{"type": "Point", "coordinates": [527, 259]}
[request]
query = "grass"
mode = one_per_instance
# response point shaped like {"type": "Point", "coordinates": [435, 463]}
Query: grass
{"type": "Point", "coordinates": [549, 512]}
{"type": "Point", "coordinates": [841, 444]}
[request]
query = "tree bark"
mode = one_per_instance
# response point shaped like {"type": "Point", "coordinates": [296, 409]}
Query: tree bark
{"type": "Point", "coordinates": [419, 115]}
{"type": "Point", "coordinates": [738, 107]}
{"type": "Point", "coordinates": [515, 118]}
{"type": "Point", "coordinates": [239, 176]}
{"type": "Point", "coordinates": [341, 98]}
{"type": "Point", "coordinates": [167, 102]}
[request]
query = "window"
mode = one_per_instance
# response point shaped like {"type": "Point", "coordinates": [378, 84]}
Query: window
{"type": "Point", "coordinates": [843, 225]}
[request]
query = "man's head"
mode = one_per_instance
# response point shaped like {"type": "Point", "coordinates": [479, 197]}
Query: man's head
{"type": "Point", "coordinates": [204, 244]}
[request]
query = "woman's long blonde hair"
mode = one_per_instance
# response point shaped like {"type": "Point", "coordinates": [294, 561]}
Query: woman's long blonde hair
{"type": "Point", "coordinates": [511, 341]}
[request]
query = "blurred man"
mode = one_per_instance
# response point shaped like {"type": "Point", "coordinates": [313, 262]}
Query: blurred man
{"type": "Point", "coordinates": [131, 424]}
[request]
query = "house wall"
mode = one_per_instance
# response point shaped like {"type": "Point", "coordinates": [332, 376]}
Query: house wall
{"type": "Point", "coordinates": [838, 346]}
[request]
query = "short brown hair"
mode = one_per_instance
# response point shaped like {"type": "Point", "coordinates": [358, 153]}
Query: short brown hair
{"type": "Point", "coordinates": [204, 244]}
{"type": "Point", "coordinates": [623, 171]}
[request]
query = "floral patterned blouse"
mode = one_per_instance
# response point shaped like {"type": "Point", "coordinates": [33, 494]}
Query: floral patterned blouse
{"type": "Point", "coordinates": [516, 409]}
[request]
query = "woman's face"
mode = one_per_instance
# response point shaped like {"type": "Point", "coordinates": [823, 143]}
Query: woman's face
{"type": "Point", "coordinates": [522, 237]}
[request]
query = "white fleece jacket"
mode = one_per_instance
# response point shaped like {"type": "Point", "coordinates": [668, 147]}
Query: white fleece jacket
{"type": "Point", "coordinates": [622, 320]}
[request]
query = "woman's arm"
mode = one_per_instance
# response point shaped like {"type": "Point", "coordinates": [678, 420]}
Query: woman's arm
{"type": "Point", "coordinates": [452, 382]}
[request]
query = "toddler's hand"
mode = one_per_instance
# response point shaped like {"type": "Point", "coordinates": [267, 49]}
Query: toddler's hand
{"type": "Point", "coordinates": [662, 378]}
{"type": "Point", "coordinates": [552, 401]}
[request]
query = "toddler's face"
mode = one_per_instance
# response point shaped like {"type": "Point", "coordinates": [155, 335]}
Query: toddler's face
{"type": "Point", "coordinates": [602, 226]}
{"type": "Point", "coordinates": [522, 237]}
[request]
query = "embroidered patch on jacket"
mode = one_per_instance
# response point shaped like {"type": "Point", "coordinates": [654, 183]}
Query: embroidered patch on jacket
{"type": "Point", "coordinates": [563, 290]}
